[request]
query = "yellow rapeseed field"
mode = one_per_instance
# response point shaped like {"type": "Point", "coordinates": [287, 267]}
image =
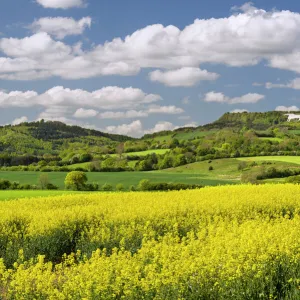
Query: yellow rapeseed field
{"type": "Point", "coordinates": [230, 242]}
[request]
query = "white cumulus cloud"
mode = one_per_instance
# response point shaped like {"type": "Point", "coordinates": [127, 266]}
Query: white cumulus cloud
{"type": "Point", "coordinates": [172, 110]}
{"type": "Point", "coordinates": [19, 120]}
{"type": "Point", "coordinates": [17, 98]}
{"type": "Point", "coordinates": [133, 129]}
{"type": "Point", "coordinates": [82, 113]}
{"type": "Point", "coordinates": [63, 4]}
{"type": "Point", "coordinates": [60, 27]}
{"type": "Point", "coordinates": [185, 77]}
{"type": "Point", "coordinates": [244, 38]}
{"type": "Point", "coordinates": [111, 97]}
{"type": "Point", "coordinates": [161, 126]}
{"type": "Point", "coordinates": [221, 98]}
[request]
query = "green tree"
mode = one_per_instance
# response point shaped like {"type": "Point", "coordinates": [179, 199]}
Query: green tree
{"type": "Point", "coordinates": [76, 180]}
{"type": "Point", "coordinates": [43, 181]}
{"type": "Point", "coordinates": [107, 187]}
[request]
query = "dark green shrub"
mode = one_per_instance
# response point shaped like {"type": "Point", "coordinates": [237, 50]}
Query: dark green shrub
{"type": "Point", "coordinates": [107, 187]}
{"type": "Point", "coordinates": [120, 187]}
{"type": "Point", "coordinates": [51, 186]}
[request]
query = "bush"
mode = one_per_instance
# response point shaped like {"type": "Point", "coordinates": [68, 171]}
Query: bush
{"type": "Point", "coordinates": [132, 188]}
{"type": "Point", "coordinates": [46, 169]}
{"type": "Point", "coordinates": [92, 187]}
{"type": "Point", "coordinates": [120, 187]}
{"type": "Point", "coordinates": [144, 185]}
{"type": "Point", "coordinates": [242, 165]}
{"type": "Point", "coordinates": [4, 184]}
{"type": "Point", "coordinates": [51, 186]}
{"type": "Point", "coordinates": [250, 177]}
{"type": "Point", "coordinates": [25, 186]}
{"type": "Point", "coordinates": [107, 187]}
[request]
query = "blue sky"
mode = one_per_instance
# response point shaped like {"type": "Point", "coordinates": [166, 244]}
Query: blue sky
{"type": "Point", "coordinates": [133, 67]}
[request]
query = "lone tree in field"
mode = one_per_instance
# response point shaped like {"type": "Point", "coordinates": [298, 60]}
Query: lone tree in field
{"type": "Point", "coordinates": [76, 180]}
{"type": "Point", "coordinates": [43, 181]}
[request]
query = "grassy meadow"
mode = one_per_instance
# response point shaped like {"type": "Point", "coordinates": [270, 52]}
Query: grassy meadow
{"type": "Point", "coordinates": [18, 194]}
{"type": "Point", "coordinates": [285, 159]}
{"type": "Point", "coordinates": [225, 171]}
{"type": "Point", "coordinates": [113, 178]}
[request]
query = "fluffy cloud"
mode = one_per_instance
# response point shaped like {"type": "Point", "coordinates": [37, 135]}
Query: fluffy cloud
{"type": "Point", "coordinates": [293, 84]}
{"type": "Point", "coordinates": [166, 126]}
{"type": "Point", "coordinates": [36, 49]}
{"type": "Point", "coordinates": [111, 97]}
{"type": "Point", "coordinates": [82, 113]}
{"type": "Point", "coordinates": [221, 98]}
{"type": "Point", "coordinates": [64, 4]}
{"type": "Point", "coordinates": [137, 129]}
{"type": "Point", "coordinates": [185, 77]}
{"type": "Point", "coordinates": [287, 108]}
{"type": "Point", "coordinates": [172, 110]}
{"type": "Point", "coordinates": [237, 110]}
{"type": "Point", "coordinates": [245, 38]}
{"type": "Point", "coordinates": [19, 120]}
{"type": "Point", "coordinates": [56, 112]}
{"type": "Point", "coordinates": [61, 27]}
{"type": "Point", "coordinates": [130, 114]}
{"type": "Point", "coordinates": [161, 126]}
{"type": "Point", "coordinates": [133, 129]}
{"type": "Point", "coordinates": [17, 98]}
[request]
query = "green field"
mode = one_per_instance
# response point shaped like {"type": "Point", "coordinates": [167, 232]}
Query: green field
{"type": "Point", "coordinates": [287, 159]}
{"type": "Point", "coordinates": [225, 171]}
{"type": "Point", "coordinates": [295, 131]}
{"type": "Point", "coordinates": [113, 178]}
{"type": "Point", "coordinates": [8, 195]}
{"type": "Point", "coordinates": [144, 153]}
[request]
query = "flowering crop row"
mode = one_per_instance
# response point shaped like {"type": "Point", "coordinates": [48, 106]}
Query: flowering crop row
{"type": "Point", "coordinates": [232, 242]}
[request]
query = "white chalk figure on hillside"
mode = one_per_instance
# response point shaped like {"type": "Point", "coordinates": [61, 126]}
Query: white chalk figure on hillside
{"type": "Point", "coordinates": [292, 117]}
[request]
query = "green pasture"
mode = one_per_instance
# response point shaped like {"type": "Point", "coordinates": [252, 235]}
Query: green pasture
{"type": "Point", "coordinates": [113, 178]}
{"type": "Point", "coordinates": [224, 171]}
{"type": "Point", "coordinates": [144, 153]}
{"type": "Point", "coordinates": [295, 131]}
{"type": "Point", "coordinates": [9, 195]}
{"type": "Point", "coordinates": [286, 159]}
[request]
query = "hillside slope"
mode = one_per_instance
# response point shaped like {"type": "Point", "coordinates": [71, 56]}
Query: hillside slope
{"type": "Point", "coordinates": [49, 137]}
{"type": "Point", "coordinates": [259, 121]}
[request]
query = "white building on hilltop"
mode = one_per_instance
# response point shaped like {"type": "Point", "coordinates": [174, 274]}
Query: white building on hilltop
{"type": "Point", "coordinates": [292, 117]}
